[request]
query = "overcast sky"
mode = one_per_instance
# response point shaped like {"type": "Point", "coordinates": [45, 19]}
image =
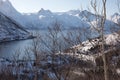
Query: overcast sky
{"type": "Point", "coordinates": [27, 6]}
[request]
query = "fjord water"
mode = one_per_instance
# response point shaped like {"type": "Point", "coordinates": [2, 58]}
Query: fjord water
{"type": "Point", "coordinates": [11, 49]}
{"type": "Point", "coordinates": [18, 49]}
{"type": "Point", "coordinates": [15, 49]}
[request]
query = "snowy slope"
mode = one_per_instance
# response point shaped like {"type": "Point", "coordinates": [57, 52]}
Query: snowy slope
{"type": "Point", "coordinates": [10, 30]}
{"type": "Point", "coordinates": [93, 45]}
{"type": "Point", "coordinates": [115, 18]}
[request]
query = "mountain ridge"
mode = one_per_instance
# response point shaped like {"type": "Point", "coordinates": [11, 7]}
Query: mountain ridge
{"type": "Point", "coordinates": [46, 18]}
{"type": "Point", "coordinates": [10, 30]}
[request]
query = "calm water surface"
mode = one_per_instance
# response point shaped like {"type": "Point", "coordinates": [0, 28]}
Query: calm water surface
{"type": "Point", "coordinates": [13, 48]}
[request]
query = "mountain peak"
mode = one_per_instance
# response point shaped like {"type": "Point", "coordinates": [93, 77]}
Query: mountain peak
{"type": "Point", "coordinates": [85, 12]}
{"type": "Point", "coordinates": [74, 12]}
{"type": "Point", "coordinates": [43, 11]}
{"type": "Point", "coordinates": [5, 2]}
{"type": "Point", "coordinates": [115, 15]}
{"type": "Point", "coordinates": [115, 18]}
{"type": "Point", "coordinates": [6, 7]}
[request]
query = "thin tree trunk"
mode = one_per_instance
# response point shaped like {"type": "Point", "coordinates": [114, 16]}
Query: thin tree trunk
{"type": "Point", "coordinates": [102, 37]}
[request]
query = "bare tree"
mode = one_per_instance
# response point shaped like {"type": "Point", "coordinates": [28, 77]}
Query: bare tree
{"type": "Point", "coordinates": [103, 43]}
{"type": "Point", "coordinates": [101, 11]}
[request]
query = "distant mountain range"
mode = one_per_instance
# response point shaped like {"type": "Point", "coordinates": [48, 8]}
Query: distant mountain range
{"type": "Point", "coordinates": [45, 18]}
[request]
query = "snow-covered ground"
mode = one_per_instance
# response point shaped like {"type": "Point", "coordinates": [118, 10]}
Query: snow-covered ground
{"type": "Point", "coordinates": [109, 39]}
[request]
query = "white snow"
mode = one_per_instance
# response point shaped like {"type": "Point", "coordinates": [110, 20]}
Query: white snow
{"type": "Point", "coordinates": [115, 18]}
{"type": "Point", "coordinates": [112, 39]}
{"type": "Point", "coordinates": [118, 71]}
{"type": "Point", "coordinates": [86, 45]}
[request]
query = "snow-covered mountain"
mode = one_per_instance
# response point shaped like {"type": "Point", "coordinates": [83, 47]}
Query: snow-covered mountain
{"type": "Point", "coordinates": [7, 9]}
{"type": "Point", "coordinates": [11, 30]}
{"type": "Point", "coordinates": [41, 19]}
{"type": "Point", "coordinates": [115, 18]}
{"type": "Point", "coordinates": [45, 18]}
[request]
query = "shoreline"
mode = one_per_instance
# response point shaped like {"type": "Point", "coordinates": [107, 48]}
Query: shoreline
{"type": "Point", "coordinates": [17, 39]}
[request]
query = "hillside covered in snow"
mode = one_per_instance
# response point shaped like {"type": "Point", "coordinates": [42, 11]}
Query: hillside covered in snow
{"type": "Point", "coordinates": [115, 18]}
{"type": "Point", "coordinates": [11, 30]}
